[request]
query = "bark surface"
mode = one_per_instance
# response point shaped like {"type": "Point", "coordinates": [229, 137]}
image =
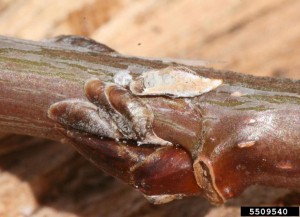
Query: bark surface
{"type": "Point", "coordinates": [249, 126]}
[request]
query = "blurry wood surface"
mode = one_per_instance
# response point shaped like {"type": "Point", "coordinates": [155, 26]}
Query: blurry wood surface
{"type": "Point", "coordinates": [44, 178]}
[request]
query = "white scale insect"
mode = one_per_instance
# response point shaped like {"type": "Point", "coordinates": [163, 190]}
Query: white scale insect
{"type": "Point", "coordinates": [171, 81]}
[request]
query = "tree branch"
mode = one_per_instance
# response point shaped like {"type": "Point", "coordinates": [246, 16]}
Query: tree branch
{"type": "Point", "coordinates": [242, 132]}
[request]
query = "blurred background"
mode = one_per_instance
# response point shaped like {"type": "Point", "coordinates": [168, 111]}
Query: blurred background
{"type": "Point", "coordinates": [256, 37]}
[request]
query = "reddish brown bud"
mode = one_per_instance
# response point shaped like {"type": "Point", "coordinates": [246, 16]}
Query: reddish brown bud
{"type": "Point", "coordinates": [155, 171]}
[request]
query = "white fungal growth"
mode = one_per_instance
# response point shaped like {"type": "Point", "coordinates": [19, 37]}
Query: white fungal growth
{"type": "Point", "coordinates": [123, 78]}
{"type": "Point", "coordinates": [173, 81]}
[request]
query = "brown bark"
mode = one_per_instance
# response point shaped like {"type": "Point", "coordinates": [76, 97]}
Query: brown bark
{"type": "Point", "coordinates": [249, 125]}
